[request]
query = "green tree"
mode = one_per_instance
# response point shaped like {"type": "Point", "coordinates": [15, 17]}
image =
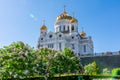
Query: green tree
{"type": "Point", "coordinates": [106, 71]}
{"type": "Point", "coordinates": [91, 69]}
{"type": "Point", "coordinates": [66, 62]}
{"type": "Point", "coordinates": [46, 57]}
{"type": "Point", "coordinates": [73, 61]}
{"type": "Point", "coordinates": [60, 62]}
{"type": "Point", "coordinates": [17, 61]}
{"type": "Point", "coordinates": [116, 71]}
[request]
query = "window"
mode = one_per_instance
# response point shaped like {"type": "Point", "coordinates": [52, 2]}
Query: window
{"type": "Point", "coordinates": [73, 47]}
{"type": "Point", "coordinates": [84, 48]}
{"type": "Point", "coordinates": [41, 38]}
{"type": "Point", "coordinates": [41, 45]}
{"type": "Point", "coordinates": [60, 46]}
{"type": "Point", "coordinates": [59, 28]}
{"type": "Point", "coordinates": [60, 35]}
{"type": "Point", "coordinates": [68, 28]}
{"type": "Point", "coordinates": [77, 35]}
{"type": "Point", "coordinates": [48, 46]}
{"type": "Point", "coordinates": [51, 45]}
{"type": "Point", "coordinates": [72, 28]}
{"type": "Point", "coordinates": [78, 54]}
{"type": "Point", "coordinates": [64, 28]}
{"type": "Point", "coordinates": [72, 37]}
{"type": "Point", "coordinates": [50, 36]}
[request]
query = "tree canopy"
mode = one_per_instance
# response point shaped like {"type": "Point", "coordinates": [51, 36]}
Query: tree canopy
{"type": "Point", "coordinates": [19, 60]}
{"type": "Point", "coordinates": [91, 69]}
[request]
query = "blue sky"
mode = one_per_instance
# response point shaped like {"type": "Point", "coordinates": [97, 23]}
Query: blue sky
{"type": "Point", "coordinates": [20, 20]}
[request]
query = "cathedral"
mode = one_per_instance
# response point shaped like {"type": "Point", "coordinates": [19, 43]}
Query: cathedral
{"type": "Point", "coordinates": [66, 34]}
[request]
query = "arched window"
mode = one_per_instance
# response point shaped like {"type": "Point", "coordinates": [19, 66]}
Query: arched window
{"type": "Point", "coordinates": [68, 28]}
{"type": "Point", "coordinates": [84, 48]}
{"type": "Point", "coordinates": [64, 28]}
{"type": "Point", "coordinates": [72, 28]}
{"type": "Point", "coordinates": [59, 28]}
{"type": "Point", "coordinates": [73, 46]}
{"type": "Point", "coordinates": [60, 46]}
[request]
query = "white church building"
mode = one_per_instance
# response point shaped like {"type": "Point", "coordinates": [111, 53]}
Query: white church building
{"type": "Point", "coordinates": [66, 34]}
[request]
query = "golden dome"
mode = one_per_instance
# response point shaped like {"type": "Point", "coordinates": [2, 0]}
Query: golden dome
{"type": "Point", "coordinates": [43, 27]}
{"type": "Point", "coordinates": [82, 34]}
{"type": "Point", "coordinates": [64, 15]}
{"type": "Point", "coordinates": [73, 20]}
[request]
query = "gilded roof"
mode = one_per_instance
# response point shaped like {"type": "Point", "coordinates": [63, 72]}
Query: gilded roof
{"type": "Point", "coordinates": [43, 27]}
{"type": "Point", "coordinates": [82, 34]}
{"type": "Point", "coordinates": [65, 16]}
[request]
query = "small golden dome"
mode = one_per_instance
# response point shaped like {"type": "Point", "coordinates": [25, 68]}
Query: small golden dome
{"type": "Point", "coordinates": [73, 20]}
{"type": "Point", "coordinates": [43, 27]}
{"type": "Point", "coordinates": [82, 34]}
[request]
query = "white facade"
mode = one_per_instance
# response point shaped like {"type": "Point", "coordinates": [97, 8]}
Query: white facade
{"type": "Point", "coordinates": [66, 35]}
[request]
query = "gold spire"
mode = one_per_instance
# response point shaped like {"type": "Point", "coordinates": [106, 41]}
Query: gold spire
{"type": "Point", "coordinates": [43, 27]}
{"type": "Point", "coordinates": [64, 8]}
{"type": "Point", "coordinates": [43, 22]}
{"type": "Point", "coordinates": [73, 14]}
{"type": "Point", "coordinates": [82, 34]}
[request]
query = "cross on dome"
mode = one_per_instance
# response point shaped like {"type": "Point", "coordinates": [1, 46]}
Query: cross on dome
{"type": "Point", "coordinates": [64, 8]}
{"type": "Point", "coordinates": [43, 27]}
{"type": "Point", "coordinates": [82, 34]}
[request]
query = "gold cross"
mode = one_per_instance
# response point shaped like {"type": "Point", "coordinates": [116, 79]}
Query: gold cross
{"type": "Point", "coordinates": [64, 8]}
{"type": "Point", "coordinates": [43, 22]}
{"type": "Point", "coordinates": [82, 29]}
{"type": "Point", "coordinates": [73, 14]}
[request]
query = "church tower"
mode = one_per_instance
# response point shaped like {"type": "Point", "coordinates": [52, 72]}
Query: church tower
{"type": "Point", "coordinates": [43, 32]}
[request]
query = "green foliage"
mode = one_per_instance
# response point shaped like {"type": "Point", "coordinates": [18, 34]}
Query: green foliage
{"type": "Point", "coordinates": [67, 52]}
{"type": "Point", "coordinates": [106, 71]}
{"type": "Point", "coordinates": [19, 60]}
{"type": "Point", "coordinates": [116, 71]}
{"type": "Point", "coordinates": [91, 69]}
{"type": "Point", "coordinates": [66, 62]}
{"type": "Point", "coordinates": [60, 62]}
{"type": "Point", "coordinates": [16, 61]}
